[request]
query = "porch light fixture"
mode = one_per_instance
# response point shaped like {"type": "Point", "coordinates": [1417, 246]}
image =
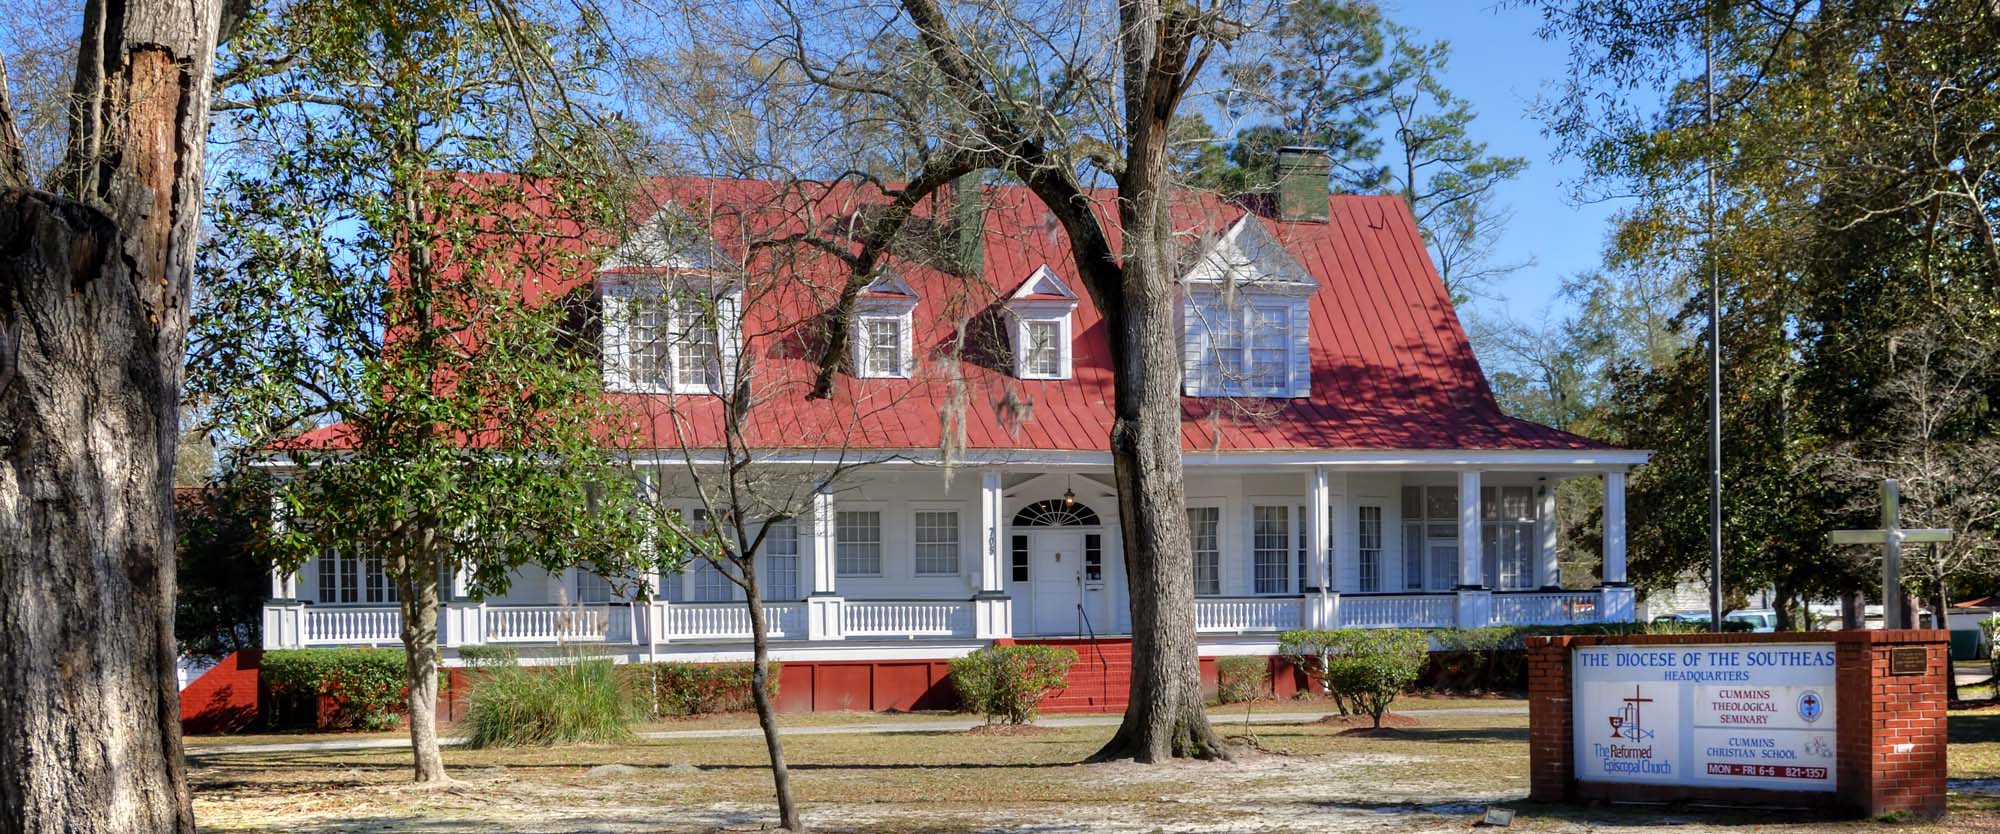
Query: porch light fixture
{"type": "Point", "coordinates": [1069, 497]}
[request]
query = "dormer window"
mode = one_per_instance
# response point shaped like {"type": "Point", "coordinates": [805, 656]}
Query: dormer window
{"type": "Point", "coordinates": [1246, 320]}
{"type": "Point", "coordinates": [882, 324]}
{"type": "Point", "coordinates": [1042, 309]}
{"type": "Point", "coordinates": [672, 337]}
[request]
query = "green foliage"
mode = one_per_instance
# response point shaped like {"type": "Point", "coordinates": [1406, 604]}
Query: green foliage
{"type": "Point", "coordinates": [582, 702]}
{"type": "Point", "coordinates": [365, 685]}
{"type": "Point", "coordinates": [1374, 666]}
{"type": "Point", "coordinates": [1514, 638]}
{"type": "Point", "coordinates": [1240, 679]}
{"type": "Point", "coordinates": [702, 688]}
{"type": "Point", "coordinates": [1007, 683]}
{"type": "Point", "coordinates": [1989, 634]}
{"type": "Point", "coordinates": [222, 565]}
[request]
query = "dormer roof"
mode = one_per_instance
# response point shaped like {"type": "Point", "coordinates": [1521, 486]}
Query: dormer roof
{"type": "Point", "coordinates": [1043, 285]}
{"type": "Point", "coordinates": [1247, 255]}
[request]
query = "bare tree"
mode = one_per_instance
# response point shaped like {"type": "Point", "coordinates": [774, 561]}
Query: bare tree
{"type": "Point", "coordinates": [1949, 477]}
{"type": "Point", "coordinates": [92, 319]}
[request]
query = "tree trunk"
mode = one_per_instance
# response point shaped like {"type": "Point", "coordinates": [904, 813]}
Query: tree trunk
{"type": "Point", "coordinates": [419, 594]}
{"type": "Point", "coordinates": [760, 694]}
{"type": "Point", "coordinates": [93, 322]}
{"type": "Point", "coordinates": [1164, 717]}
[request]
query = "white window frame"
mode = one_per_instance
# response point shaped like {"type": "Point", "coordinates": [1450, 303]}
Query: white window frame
{"type": "Point", "coordinates": [1231, 318]}
{"type": "Point", "coordinates": [957, 540]}
{"type": "Point", "coordinates": [840, 543]}
{"type": "Point", "coordinates": [598, 586]}
{"type": "Point", "coordinates": [625, 302]}
{"type": "Point", "coordinates": [863, 367]}
{"type": "Point", "coordinates": [780, 564]}
{"type": "Point", "coordinates": [1368, 574]}
{"type": "Point", "coordinates": [1509, 541]}
{"type": "Point", "coordinates": [1285, 549]}
{"type": "Point", "coordinates": [1023, 364]}
{"type": "Point", "coordinates": [364, 578]}
{"type": "Point", "coordinates": [1221, 545]}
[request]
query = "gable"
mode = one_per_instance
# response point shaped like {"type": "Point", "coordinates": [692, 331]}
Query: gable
{"type": "Point", "coordinates": [1246, 255]}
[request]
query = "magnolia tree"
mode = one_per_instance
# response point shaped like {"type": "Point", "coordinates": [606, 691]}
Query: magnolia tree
{"type": "Point", "coordinates": [426, 322]}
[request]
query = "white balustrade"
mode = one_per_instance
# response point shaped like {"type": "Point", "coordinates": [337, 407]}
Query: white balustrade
{"type": "Point", "coordinates": [1398, 610]}
{"type": "Point", "coordinates": [1241, 615]}
{"type": "Point", "coordinates": [727, 620]}
{"type": "Point", "coordinates": [881, 618]}
{"type": "Point", "coordinates": [332, 625]}
{"type": "Point", "coordinates": [1561, 608]}
{"type": "Point", "coordinates": [558, 623]}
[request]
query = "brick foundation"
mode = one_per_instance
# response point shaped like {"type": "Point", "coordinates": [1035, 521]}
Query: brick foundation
{"type": "Point", "coordinates": [1890, 734]}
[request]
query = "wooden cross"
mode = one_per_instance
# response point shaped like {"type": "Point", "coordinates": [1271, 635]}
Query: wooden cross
{"type": "Point", "coordinates": [1891, 537]}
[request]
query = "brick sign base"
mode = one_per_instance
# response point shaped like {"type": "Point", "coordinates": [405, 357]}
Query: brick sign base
{"type": "Point", "coordinates": [1890, 723]}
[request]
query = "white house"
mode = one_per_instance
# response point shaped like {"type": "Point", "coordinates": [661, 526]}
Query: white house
{"type": "Point", "coordinates": [1346, 463]}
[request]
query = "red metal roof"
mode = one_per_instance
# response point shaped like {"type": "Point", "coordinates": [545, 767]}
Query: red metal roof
{"type": "Point", "coordinates": [1391, 367]}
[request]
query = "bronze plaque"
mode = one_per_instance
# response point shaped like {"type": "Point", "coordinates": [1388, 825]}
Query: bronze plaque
{"type": "Point", "coordinates": [1911, 661]}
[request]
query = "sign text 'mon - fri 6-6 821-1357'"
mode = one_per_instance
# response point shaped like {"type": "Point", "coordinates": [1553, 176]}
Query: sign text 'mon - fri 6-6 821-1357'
{"type": "Point", "coordinates": [1746, 716]}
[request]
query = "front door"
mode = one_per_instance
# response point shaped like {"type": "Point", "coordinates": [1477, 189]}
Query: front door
{"type": "Point", "coordinates": [1054, 582]}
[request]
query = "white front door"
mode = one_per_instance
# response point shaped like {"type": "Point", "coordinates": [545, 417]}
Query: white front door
{"type": "Point", "coordinates": [1054, 586]}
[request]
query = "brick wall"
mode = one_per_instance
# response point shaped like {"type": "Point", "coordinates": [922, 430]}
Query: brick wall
{"type": "Point", "coordinates": [1890, 737]}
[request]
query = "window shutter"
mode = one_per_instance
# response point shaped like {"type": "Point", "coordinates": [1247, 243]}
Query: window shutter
{"type": "Point", "coordinates": [613, 314]}
{"type": "Point", "coordinates": [1301, 374]}
{"type": "Point", "coordinates": [1197, 364]}
{"type": "Point", "coordinates": [729, 323]}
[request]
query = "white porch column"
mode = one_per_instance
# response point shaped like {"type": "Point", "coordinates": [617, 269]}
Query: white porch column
{"type": "Point", "coordinates": [1471, 565]}
{"type": "Point", "coordinates": [1548, 568]}
{"type": "Point", "coordinates": [993, 611]}
{"type": "Point", "coordinates": [824, 614]}
{"type": "Point", "coordinates": [1322, 603]}
{"type": "Point", "coordinates": [284, 584]}
{"type": "Point", "coordinates": [284, 624]}
{"type": "Point", "coordinates": [1614, 527]}
{"type": "Point", "coordinates": [1475, 601]}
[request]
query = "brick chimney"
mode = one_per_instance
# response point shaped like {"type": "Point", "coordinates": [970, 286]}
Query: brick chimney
{"type": "Point", "coordinates": [1303, 172]}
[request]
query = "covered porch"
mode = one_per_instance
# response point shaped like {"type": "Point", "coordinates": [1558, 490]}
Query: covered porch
{"type": "Point", "coordinates": [906, 556]}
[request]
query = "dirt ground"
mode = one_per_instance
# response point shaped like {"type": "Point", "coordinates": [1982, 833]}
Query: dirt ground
{"type": "Point", "coordinates": [1435, 776]}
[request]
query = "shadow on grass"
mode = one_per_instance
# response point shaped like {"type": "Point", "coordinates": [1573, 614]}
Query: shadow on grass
{"type": "Point", "coordinates": [1391, 735]}
{"type": "Point", "coordinates": [1973, 729]}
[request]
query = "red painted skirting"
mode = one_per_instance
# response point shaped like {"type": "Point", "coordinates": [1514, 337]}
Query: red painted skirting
{"type": "Point", "coordinates": [223, 699]}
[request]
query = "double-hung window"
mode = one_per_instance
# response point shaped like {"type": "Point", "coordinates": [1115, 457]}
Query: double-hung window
{"type": "Point", "coordinates": [673, 338]}
{"type": "Point", "coordinates": [1043, 349]}
{"type": "Point", "coordinates": [345, 579]}
{"type": "Point", "coordinates": [936, 538]}
{"type": "Point", "coordinates": [1507, 516]}
{"type": "Point", "coordinates": [1205, 534]}
{"type": "Point", "coordinates": [781, 561]}
{"type": "Point", "coordinates": [591, 588]}
{"type": "Point", "coordinates": [882, 341]}
{"type": "Point", "coordinates": [1368, 532]}
{"type": "Point", "coordinates": [1244, 345]}
{"type": "Point", "coordinates": [1430, 538]}
{"type": "Point", "coordinates": [1271, 548]}
{"type": "Point", "coordinates": [857, 543]}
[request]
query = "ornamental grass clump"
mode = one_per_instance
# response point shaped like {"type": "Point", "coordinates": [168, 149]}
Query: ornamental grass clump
{"type": "Point", "coordinates": [1008, 683]}
{"type": "Point", "coordinates": [583, 701]}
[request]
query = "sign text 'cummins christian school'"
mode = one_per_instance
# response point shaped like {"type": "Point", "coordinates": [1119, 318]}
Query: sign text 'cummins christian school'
{"type": "Point", "coordinates": [1753, 715]}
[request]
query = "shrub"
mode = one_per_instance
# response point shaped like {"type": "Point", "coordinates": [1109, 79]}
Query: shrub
{"type": "Point", "coordinates": [366, 686]}
{"type": "Point", "coordinates": [1009, 682]}
{"type": "Point", "coordinates": [1240, 679]}
{"type": "Point", "coordinates": [702, 688]}
{"type": "Point", "coordinates": [570, 703]}
{"type": "Point", "coordinates": [1374, 666]}
{"type": "Point", "coordinates": [1312, 651]}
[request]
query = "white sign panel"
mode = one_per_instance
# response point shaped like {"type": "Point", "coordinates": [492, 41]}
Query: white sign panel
{"type": "Point", "coordinates": [1753, 715]}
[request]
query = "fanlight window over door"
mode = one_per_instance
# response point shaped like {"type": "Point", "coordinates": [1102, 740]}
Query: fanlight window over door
{"type": "Point", "coordinates": [1056, 513]}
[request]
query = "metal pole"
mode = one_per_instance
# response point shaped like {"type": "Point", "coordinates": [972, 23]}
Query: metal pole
{"type": "Point", "coordinates": [1714, 352]}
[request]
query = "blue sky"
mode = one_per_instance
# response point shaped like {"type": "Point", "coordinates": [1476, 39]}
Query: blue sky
{"type": "Point", "coordinates": [1500, 65]}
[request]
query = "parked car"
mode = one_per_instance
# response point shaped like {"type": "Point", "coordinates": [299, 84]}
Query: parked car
{"type": "Point", "coordinates": [1699, 619]}
{"type": "Point", "coordinates": [1760, 620]}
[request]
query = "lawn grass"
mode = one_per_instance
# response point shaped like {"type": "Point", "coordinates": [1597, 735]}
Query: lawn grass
{"type": "Point", "coordinates": [1296, 776]}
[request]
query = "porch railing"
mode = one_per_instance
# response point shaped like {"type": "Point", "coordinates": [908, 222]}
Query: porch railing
{"type": "Point", "coordinates": [558, 623]}
{"type": "Point", "coordinates": [330, 626]}
{"type": "Point", "coordinates": [912, 618]}
{"type": "Point", "coordinates": [727, 620]}
{"type": "Point", "coordinates": [1241, 615]}
{"type": "Point", "coordinates": [1554, 608]}
{"type": "Point", "coordinates": [1398, 611]}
